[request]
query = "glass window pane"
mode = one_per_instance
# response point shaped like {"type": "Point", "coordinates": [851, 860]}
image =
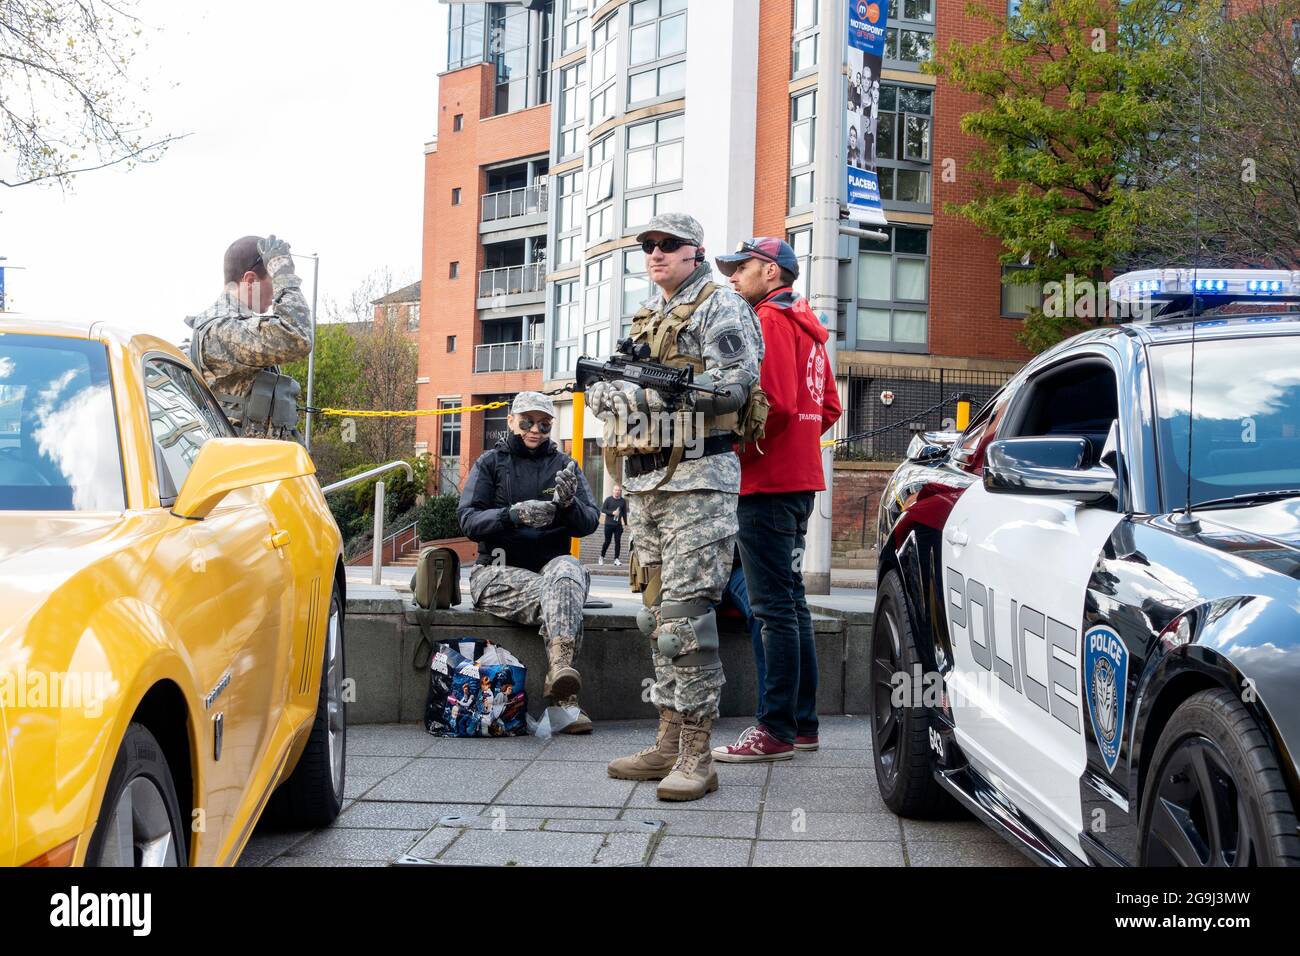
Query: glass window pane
{"type": "Point", "coordinates": [909, 327]}
{"type": "Point", "coordinates": [801, 144]}
{"type": "Point", "coordinates": [885, 136]}
{"type": "Point", "coordinates": [668, 163]}
{"type": "Point", "coordinates": [644, 10]}
{"type": "Point", "coordinates": [911, 240]}
{"type": "Point", "coordinates": [671, 6]}
{"type": "Point", "coordinates": [912, 186]}
{"type": "Point", "coordinates": [674, 127]}
{"type": "Point", "coordinates": [805, 53]}
{"type": "Point", "coordinates": [641, 87]}
{"type": "Point", "coordinates": [873, 325]}
{"type": "Point", "coordinates": [916, 142]}
{"type": "Point", "coordinates": [668, 202]}
{"type": "Point", "coordinates": [913, 279]}
{"type": "Point", "coordinates": [913, 101]}
{"type": "Point", "coordinates": [885, 176]}
{"type": "Point", "coordinates": [801, 190]}
{"type": "Point", "coordinates": [636, 289]}
{"type": "Point", "coordinates": [672, 35]}
{"type": "Point", "coordinates": [642, 44]}
{"type": "Point", "coordinates": [873, 276]}
{"type": "Point", "coordinates": [918, 10]}
{"type": "Point", "coordinates": [640, 169]}
{"type": "Point", "coordinates": [672, 79]}
{"type": "Point", "coordinates": [805, 13]}
{"type": "Point", "coordinates": [639, 211]}
{"type": "Point", "coordinates": [888, 97]}
{"type": "Point", "coordinates": [914, 46]}
{"type": "Point", "coordinates": [642, 134]}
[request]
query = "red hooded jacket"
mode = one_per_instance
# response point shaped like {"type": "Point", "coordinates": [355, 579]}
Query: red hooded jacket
{"type": "Point", "coordinates": [800, 384]}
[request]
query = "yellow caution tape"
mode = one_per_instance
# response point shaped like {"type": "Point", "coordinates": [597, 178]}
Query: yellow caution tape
{"type": "Point", "coordinates": [365, 413]}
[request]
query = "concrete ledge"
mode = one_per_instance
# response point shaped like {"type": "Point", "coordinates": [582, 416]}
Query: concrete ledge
{"type": "Point", "coordinates": [382, 635]}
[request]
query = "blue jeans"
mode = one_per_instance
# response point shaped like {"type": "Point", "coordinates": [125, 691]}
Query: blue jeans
{"type": "Point", "coordinates": [737, 592]}
{"type": "Point", "coordinates": [772, 532]}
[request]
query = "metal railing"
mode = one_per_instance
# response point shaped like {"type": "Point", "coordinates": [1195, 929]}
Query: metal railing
{"type": "Point", "coordinates": [512, 280]}
{"type": "Point", "coordinates": [509, 203]}
{"type": "Point", "coordinates": [878, 395]}
{"type": "Point", "coordinates": [508, 356]}
{"type": "Point", "coordinates": [377, 554]}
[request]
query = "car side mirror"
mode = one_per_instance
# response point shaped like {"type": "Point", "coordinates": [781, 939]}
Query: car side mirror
{"type": "Point", "coordinates": [227, 464]}
{"type": "Point", "coordinates": [1055, 467]}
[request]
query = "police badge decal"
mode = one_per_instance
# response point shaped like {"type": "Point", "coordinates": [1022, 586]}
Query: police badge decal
{"type": "Point", "coordinates": [1105, 668]}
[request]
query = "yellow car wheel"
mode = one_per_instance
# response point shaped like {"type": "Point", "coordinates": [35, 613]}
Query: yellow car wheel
{"type": "Point", "coordinates": [313, 794]}
{"type": "Point", "coordinates": [140, 818]}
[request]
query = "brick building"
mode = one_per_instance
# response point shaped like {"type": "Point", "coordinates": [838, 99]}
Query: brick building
{"type": "Point", "coordinates": [401, 307]}
{"type": "Point", "coordinates": [563, 126]}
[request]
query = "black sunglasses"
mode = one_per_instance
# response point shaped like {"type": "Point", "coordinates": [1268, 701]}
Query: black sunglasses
{"type": "Point", "coordinates": [671, 244]}
{"type": "Point", "coordinates": [528, 424]}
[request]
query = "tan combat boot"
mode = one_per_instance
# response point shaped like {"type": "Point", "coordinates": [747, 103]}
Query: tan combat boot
{"type": "Point", "coordinates": [562, 681]}
{"type": "Point", "coordinates": [656, 762]}
{"type": "Point", "coordinates": [693, 775]}
{"type": "Point", "coordinates": [580, 724]}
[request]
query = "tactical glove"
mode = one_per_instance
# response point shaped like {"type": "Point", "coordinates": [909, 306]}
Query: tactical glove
{"type": "Point", "coordinates": [533, 514]}
{"type": "Point", "coordinates": [275, 255]}
{"type": "Point", "coordinates": [566, 485]}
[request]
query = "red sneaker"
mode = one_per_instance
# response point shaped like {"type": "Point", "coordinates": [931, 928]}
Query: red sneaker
{"type": "Point", "coordinates": [754, 745]}
{"type": "Point", "coordinates": [806, 743]}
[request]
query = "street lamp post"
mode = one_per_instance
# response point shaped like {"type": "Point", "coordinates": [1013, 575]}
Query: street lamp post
{"type": "Point", "coordinates": [311, 357]}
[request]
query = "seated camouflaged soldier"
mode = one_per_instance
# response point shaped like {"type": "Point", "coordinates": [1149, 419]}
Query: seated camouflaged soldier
{"type": "Point", "coordinates": [260, 321]}
{"type": "Point", "coordinates": [522, 502]}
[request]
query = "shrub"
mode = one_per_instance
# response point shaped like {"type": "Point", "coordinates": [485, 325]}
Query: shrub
{"type": "Point", "coordinates": [437, 518]}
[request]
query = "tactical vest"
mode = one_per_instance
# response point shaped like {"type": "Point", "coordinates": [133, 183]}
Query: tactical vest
{"type": "Point", "coordinates": [272, 400]}
{"type": "Point", "coordinates": [661, 333]}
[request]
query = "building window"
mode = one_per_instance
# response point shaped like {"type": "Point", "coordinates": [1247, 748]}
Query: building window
{"type": "Point", "coordinates": [575, 25]}
{"type": "Point", "coordinates": [803, 56]}
{"type": "Point", "coordinates": [909, 40]}
{"type": "Point", "coordinates": [567, 323]}
{"type": "Point", "coordinates": [597, 293]}
{"type": "Point", "coordinates": [803, 132]}
{"type": "Point", "coordinates": [602, 68]}
{"type": "Point", "coordinates": [1018, 299]}
{"type": "Point", "coordinates": [453, 271]}
{"type": "Point", "coordinates": [450, 444]}
{"type": "Point", "coordinates": [509, 43]}
{"type": "Point", "coordinates": [655, 156]}
{"type": "Point", "coordinates": [894, 290]}
{"type": "Point", "coordinates": [636, 286]}
{"type": "Point", "coordinates": [568, 217]}
{"type": "Point", "coordinates": [413, 317]}
{"type": "Point", "coordinates": [903, 128]}
{"type": "Point", "coordinates": [657, 35]}
{"type": "Point", "coordinates": [458, 122]}
{"type": "Point", "coordinates": [455, 196]}
{"type": "Point", "coordinates": [495, 424]}
{"type": "Point", "coordinates": [573, 99]}
{"type": "Point", "coordinates": [600, 189]}
{"type": "Point", "coordinates": [451, 343]}
{"type": "Point", "coordinates": [465, 36]}
{"type": "Point", "coordinates": [801, 242]}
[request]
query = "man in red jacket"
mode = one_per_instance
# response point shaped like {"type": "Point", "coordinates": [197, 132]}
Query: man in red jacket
{"type": "Point", "coordinates": [779, 479]}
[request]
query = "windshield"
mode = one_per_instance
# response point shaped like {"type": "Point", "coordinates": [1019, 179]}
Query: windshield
{"type": "Point", "coordinates": [58, 431]}
{"type": "Point", "coordinates": [1246, 433]}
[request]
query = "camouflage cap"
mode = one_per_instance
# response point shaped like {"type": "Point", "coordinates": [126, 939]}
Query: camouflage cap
{"type": "Point", "coordinates": [678, 224]}
{"type": "Point", "coordinates": [532, 402]}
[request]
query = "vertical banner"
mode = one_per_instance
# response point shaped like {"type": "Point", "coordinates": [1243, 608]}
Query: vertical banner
{"type": "Point", "coordinates": [866, 50]}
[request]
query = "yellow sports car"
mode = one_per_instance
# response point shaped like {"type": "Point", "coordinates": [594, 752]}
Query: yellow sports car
{"type": "Point", "coordinates": [171, 612]}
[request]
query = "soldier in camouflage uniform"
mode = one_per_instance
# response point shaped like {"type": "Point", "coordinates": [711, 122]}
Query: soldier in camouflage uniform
{"type": "Point", "coordinates": [522, 502]}
{"type": "Point", "coordinates": [238, 345]}
{"type": "Point", "coordinates": [684, 527]}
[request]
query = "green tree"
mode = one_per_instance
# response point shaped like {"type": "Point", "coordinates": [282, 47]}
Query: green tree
{"type": "Point", "coordinates": [1068, 92]}
{"type": "Point", "coordinates": [337, 370]}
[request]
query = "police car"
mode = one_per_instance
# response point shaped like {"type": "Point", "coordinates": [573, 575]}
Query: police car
{"type": "Point", "coordinates": [1087, 627]}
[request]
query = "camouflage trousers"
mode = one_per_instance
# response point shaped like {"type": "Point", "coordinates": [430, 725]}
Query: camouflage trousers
{"type": "Point", "coordinates": [687, 536]}
{"type": "Point", "coordinates": [552, 599]}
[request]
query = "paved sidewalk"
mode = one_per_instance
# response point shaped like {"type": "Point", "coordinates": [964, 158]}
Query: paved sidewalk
{"type": "Point", "coordinates": [527, 801]}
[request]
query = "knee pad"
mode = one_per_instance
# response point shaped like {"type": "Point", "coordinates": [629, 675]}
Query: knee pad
{"type": "Point", "coordinates": [645, 621]}
{"type": "Point", "coordinates": [703, 622]}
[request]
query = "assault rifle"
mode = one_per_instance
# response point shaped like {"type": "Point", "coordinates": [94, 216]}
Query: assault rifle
{"type": "Point", "coordinates": [631, 363]}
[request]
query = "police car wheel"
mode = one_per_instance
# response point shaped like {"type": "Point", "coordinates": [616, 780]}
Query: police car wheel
{"type": "Point", "coordinates": [140, 819]}
{"type": "Point", "coordinates": [900, 736]}
{"type": "Point", "coordinates": [313, 794]}
{"type": "Point", "coordinates": [1217, 797]}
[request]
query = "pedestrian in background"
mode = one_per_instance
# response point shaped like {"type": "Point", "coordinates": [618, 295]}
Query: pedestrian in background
{"type": "Point", "coordinates": [778, 485]}
{"type": "Point", "coordinates": [615, 513]}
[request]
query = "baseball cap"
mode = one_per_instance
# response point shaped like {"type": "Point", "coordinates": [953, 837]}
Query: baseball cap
{"type": "Point", "coordinates": [532, 402]}
{"type": "Point", "coordinates": [684, 227]}
{"type": "Point", "coordinates": [766, 248]}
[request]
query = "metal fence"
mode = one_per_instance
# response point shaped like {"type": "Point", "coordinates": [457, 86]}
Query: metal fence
{"type": "Point", "coordinates": [874, 396]}
{"type": "Point", "coordinates": [509, 203]}
{"type": "Point", "coordinates": [512, 280]}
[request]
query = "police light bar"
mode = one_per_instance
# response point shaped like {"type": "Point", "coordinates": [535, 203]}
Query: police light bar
{"type": "Point", "coordinates": [1168, 284]}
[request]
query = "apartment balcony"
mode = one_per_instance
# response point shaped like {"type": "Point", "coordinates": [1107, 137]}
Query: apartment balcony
{"type": "Point", "coordinates": [513, 213]}
{"type": "Point", "coordinates": [508, 357]}
{"type": "Point", "coordinates": [512, 285]}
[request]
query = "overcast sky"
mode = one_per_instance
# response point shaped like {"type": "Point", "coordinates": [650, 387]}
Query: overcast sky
{"type": "Point", "coordinates": [307, 120]}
